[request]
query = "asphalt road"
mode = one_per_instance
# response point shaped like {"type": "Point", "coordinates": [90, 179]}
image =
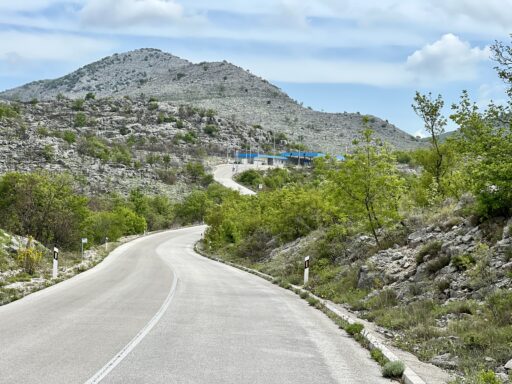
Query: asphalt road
{"type": "Point", "coordinates": [223, 174]}
{"type": "Point", "coordinates": [211, 324]}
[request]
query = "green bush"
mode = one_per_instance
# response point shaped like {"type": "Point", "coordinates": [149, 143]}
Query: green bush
{"type": "Point", "coordinates": [500, 306]}
{"type": "Point", "coordinates": [211, 129]}
{"type": "Point", "coordinates": [251, 178]}
{"type": "Point", "coordinates": [463, 262]}
{"type": "Point", "coordinates": [378, 356]}
{"type": "Point", "coordinates": [48, 152]}
{"type": "Point", "coordinates": [7, 111]}
{"type": "Point", "coordinates": [42, 204]}
{"type": "Point", "coordinates": [487, 377]}
{"type": "Point", "coordinates": [43, 131]}
{"type": "Point", "coordinates": [393, 369]}
{"type": "Point", "coordinates": [354, 329]}
{"type": "Point", "coordinates": [80, 120]}
{"type": "Point", "coordinates": [433, 248]}
{"type": "Point", "coordinates": [94, 147]}
{"type": "Point", "coordinates": [78, 105]}
{"type": "Point", "coordinates": [90, 96]}
{"type": "Point", "coordinates": [29, 257]}
{"type": "Point", "coordinates": [69, 137]}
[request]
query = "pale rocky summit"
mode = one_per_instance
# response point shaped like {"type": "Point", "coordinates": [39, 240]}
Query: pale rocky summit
{"type": "Point", "coordinates": [232, 91]}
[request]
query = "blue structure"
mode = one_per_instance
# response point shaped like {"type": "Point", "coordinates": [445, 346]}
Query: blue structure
{"type": "Point", "coordinates": [252, 158]}
{"type": "Point", "coordinates": [296, 158]}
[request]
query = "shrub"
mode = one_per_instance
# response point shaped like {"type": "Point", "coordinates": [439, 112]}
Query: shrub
{"type": "Point", "coordinates": [354, 329]}
{"type": "Point", "coordinates": [78, 105]}
{"type": "Point", "coordinates": [69, 137]}
{"type": "Point", "coordinates": [487, 377]}
{"type": "Point", "coordinates": [48, 152]}
{"type": "Point", "coordinates": [500, 306]}
{"type": "Point", "coordinates": [153, 106]}
{"type": "Point", "coordinates": [211, 129]}
{"type": "Point", "coordinates": [393, 369]}
{"type": "Point", "coordinates": [94, 147]}
{"type": "Point", "coordinates": [463, 262]}
{"type": "Point", "coordinates": [190, 137]}
{"type": "Point", "coordinates": [443, 285]}
{"type": "Point", "coordinates": [42, 131]}
{"type": "Point", "coordinates": [433, 248]}
{"type": "Point", "coordinates": [7, 111]}
{"type": "Point", "coordinates": [80, 120]}
{"type": "Point", "coordinates": [167, 176]}
{"type": "Point", "coordinates": [180, 124]}
{"type": "Point", "coordinates": [90, 96]}
{"type": "Point", "coordinates": [437, 264]}
{"type": "Point", "coordinates": [29, 257]}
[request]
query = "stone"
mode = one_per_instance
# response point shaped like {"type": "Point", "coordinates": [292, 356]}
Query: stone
{"type": "Point", "coordinates": [508, 365]}
{"type": "Point", "coordinates": [446, 361]}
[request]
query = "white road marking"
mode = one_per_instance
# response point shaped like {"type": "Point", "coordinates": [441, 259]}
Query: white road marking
{"type": "Point", "coordinates": [107, 368]}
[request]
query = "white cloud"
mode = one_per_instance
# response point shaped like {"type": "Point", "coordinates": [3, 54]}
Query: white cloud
{"type": "Point", "coordinates": [22, 46]}
{"type": "Point", "coordinates": [311, 70]}
{"type": "Point", "coordinates": [447, 59]}
{"type": "Point", "coordinates": [127, 13]}
{"type": "Point", "coordinates": [420, 133]}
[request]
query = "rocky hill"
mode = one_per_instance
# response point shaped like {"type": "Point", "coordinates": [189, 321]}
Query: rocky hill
{"type": "Point", "coordinates": [115, 145]}
{"type": "Point", "coordinates": [230, 90]}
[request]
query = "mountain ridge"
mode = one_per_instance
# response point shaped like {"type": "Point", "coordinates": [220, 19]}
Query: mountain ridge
{"type": "Point", "coordinates": [228, 89]}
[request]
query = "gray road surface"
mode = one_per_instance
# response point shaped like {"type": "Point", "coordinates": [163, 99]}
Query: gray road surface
{"type": "Point", "coordinates": [221, 325]}
{"type": "Point", "coordinates": [223, 174]}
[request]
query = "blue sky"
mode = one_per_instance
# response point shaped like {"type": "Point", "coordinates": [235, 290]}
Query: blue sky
{"type": "Point", "coordinates": [332, 55]}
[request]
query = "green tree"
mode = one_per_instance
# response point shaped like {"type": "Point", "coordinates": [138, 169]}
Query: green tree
{"type": "Point", "coordinates": [368, 185]}
{"type": "Point", "coordinates": [430, 111]}
{"type": "Point", "coordinates": [43, 205]}
{"type": "Point", "coordinates": [485, 142]}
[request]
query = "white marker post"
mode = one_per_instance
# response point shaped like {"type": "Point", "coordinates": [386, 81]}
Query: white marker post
{"type": "Point", "coordinates": [55, 262]}
{"type": "Point", "coordinates": [306, 270]}
{"type": "Point", "coordinates": [84, 241]}
{"type": "Point", "coordinates": [106, 243]}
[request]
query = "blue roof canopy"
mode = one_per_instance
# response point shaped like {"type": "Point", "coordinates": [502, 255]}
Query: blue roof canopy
{"type": "Point", "coordinates": [259, 155]}
{"type": "Point", "coordinates": [303, 154]}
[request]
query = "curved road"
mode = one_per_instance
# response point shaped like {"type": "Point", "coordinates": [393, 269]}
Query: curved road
{"type": "Point", "coordinates": [156, 312]}
{"type": "Point", "coordinates": [223, 174]}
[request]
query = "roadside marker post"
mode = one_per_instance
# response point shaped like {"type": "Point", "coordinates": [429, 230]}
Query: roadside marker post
{"type": "Point", "coordinates": [55, 262]}
{"type": "Point", "coordinates": [306, 270]}
{"type": "Point", "coordinates": [84, 241]}
{"type": "Point", "coordinates": [106, 243]}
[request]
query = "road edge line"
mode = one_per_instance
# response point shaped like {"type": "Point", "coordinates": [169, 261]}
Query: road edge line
{"type": "Point", "coordinates": [121, 355]}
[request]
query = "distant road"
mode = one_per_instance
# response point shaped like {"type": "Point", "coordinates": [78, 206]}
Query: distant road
{"type": "Point", "coordinates": [172, 316]}
{"type": "Point", "coordinates": [223, 174]}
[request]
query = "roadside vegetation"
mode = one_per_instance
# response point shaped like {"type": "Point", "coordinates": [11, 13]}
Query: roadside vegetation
{"type": "Point", "coordinates": [456, 308]}
{"type": "Point", "coordinates": [40, 211]}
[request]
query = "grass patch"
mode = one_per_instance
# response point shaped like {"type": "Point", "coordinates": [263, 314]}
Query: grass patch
{"type": "Point", "coordinates": [379, 357]}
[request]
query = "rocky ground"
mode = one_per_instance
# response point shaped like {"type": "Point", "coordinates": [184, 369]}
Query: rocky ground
{"type": "Point", "coordinates": [431, 291]}
{"type": "Point", "coordinates": [232, 91]}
